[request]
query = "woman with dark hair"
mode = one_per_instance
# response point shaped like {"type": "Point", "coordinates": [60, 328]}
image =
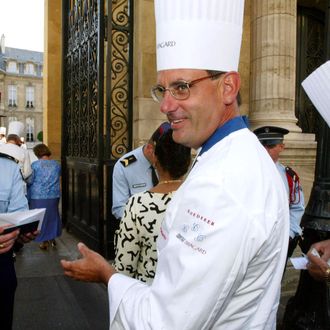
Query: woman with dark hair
{"type": "Point", "coordinates": [44, 192]}
{"type": "Point", "coordinates": [136, 252]}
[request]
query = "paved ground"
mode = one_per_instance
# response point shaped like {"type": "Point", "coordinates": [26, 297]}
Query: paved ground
{"type": "Point", "coordinates": [289, 285]}
{"type": "Point", "coordinates": [47, 300]}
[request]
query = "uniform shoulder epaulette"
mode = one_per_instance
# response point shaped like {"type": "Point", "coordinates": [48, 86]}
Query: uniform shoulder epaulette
{"type": "Point", "coordinates": [294, 185]}
{"type": "Point", "coordinates": [8, 157]}
{"type": "Point", "coordinates": [289, 171]}
{"type": "Point", "coordinates": [128, 160]}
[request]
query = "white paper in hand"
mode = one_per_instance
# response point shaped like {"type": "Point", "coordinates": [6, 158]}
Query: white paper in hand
{"type": "Point", "coordinates": [27, 221]}
{"type": "Point", "coordinates": [299, 263]}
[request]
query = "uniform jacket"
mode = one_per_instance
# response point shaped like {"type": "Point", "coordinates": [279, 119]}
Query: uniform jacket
{"type": "Point", "coordinates": [12, 196]}
{"type": "Point", "coordinates": [297, 207]}
{"type": "Point", "coordinates": [129, 177]}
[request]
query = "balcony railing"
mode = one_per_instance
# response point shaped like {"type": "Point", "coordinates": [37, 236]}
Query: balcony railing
{"type": "Point", "coordinates": [29, 104]}
{"type": "Point", "coordinates": [12, 103]}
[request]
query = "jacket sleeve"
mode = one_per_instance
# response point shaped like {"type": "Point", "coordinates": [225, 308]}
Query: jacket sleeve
{"type": "Point", "coordinates": [17, 199]}
{"type": "Point", "coordinates": [296, 211]}
{"type": "Point", "coordinates": [128, 242]}
{"type": "Point", "coordinates": [26, 169]}
{"type": "Point", "coordinates": [120, 191]}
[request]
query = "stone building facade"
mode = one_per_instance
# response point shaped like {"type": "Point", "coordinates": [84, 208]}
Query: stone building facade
{"type": "Point", "coordinates": [270, 67]}
{"type": "Point", "coordinates": [21, 89]}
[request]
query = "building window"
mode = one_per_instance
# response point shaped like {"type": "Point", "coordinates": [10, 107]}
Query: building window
{"type": "Point", "coordinates": [12, 67]}
{"type": "Point", "coordinates": [29, 69]}
{"type": "Point", "coordinates": [12, 96]}
{"type": "Point", "coordinates": [29, 129]}
{"type": "Point", "coordinates": [29, 97]}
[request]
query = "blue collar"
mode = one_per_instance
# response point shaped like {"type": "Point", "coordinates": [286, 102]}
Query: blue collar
{"type": "Point", "coordinates": [221, 132]}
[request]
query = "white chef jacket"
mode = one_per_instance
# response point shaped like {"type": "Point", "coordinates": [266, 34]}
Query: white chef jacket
{"type": "Point", "coordinates": [221, 249]}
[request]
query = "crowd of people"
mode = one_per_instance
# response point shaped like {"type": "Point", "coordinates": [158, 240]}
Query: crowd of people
{"type": "Point", "coordinates": [24, 186]}
{"type": "Point", "coordinates": [202, 243]}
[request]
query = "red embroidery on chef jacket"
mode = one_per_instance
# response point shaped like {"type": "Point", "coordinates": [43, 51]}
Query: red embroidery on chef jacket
{"type": "Point", "coordinates": [200, 217]}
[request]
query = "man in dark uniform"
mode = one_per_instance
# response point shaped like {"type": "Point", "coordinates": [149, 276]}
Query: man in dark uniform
{"type": "Point", "coordinates": [12, 198]}
{"type": "Point", "coordinates": [134, 173]}
{"type": "Point", "coordinates": [271, 137]}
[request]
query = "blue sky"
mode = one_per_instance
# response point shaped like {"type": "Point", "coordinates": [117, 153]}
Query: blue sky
{"type": "Point", "coordinates": [22, 23]}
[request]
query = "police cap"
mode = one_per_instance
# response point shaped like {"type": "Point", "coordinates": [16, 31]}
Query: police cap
{"type": "Point", "coordinates": [270, 135]}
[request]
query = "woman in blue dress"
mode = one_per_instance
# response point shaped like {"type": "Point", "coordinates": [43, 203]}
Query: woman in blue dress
{"type": "Point", "coordinates": [44, 192]}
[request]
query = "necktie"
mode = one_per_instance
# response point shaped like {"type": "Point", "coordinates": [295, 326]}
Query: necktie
{"type": "Point", "coordinates": [154, 177]}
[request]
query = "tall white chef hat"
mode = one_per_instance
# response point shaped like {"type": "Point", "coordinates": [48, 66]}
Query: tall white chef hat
{"type": "Point", "coordinates": [16, 127]}
{"type": "Point", "coordinates": [317, 87]}
{"type": "Point", "coordinates": [3, 130]}
{"type": "Point", "coordinates": [198, 34]}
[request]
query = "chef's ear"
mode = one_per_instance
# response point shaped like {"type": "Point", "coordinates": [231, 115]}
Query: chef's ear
{"type": "Point", "coordinates": [230, 85]}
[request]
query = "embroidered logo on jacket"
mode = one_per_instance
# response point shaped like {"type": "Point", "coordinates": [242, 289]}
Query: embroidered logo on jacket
{"type": "Point", "coordinates": [200, 217]}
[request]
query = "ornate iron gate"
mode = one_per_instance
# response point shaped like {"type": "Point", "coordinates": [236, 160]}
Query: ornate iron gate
{"type": "Point", "coordinates": [96, 124]}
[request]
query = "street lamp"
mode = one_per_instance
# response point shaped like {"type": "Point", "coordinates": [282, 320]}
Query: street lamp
{"type": "Point", "coordinates": [310, 307]}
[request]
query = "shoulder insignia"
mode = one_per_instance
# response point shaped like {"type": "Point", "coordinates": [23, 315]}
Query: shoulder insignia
{"type": "Point", "coordinates": [8, 157]}
{"type": "Point", "coordinates": [294, 185]}
{"type": "Point", "coordinates": [289, 171]}
{"type": "Point", "coordinates": [128, 160]}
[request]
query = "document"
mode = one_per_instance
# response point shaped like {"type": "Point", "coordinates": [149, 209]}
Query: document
{"type": "Point", "coordinates": [26, 221]}
{"type": "Point", "coordinates": [299, 263]}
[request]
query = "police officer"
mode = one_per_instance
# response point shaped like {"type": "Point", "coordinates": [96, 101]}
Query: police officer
{"type": "Point", "coordinates": [271, 137]}
{"type": "Point", "coordinates": [134, 173]}
{"type": "Point", "coordinates": [12, 199]}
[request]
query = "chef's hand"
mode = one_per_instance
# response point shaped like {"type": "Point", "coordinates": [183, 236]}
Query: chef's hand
{"type": "Point", "coordinates": [92, 267]}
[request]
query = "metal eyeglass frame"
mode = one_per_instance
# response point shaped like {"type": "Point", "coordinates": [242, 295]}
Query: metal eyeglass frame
{"type": "Point", "coordinates": [179, 87]}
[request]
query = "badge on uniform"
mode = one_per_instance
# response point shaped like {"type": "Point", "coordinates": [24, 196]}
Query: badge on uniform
{"type": "Point", "coordinates": [128, 160]}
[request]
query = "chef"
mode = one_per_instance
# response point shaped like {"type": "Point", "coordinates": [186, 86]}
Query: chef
{"type": "Point", "coordinates": [223, 243]}
{"type": "Point", "coordinates": [13, 148]}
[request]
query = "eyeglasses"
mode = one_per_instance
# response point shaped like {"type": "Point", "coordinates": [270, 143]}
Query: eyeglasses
{"type": "Point", "coordinates": [180, 90]}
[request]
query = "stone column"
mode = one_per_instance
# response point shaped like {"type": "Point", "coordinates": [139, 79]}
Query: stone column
{"type": "Point", "coordinates": [147, 115]}
{"type": "Point", "coordinates": [52, 91]}
{"type": "Point", "coordinates": [273, 63]}
{"type": "Point", "coordinates": [273, 81]}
